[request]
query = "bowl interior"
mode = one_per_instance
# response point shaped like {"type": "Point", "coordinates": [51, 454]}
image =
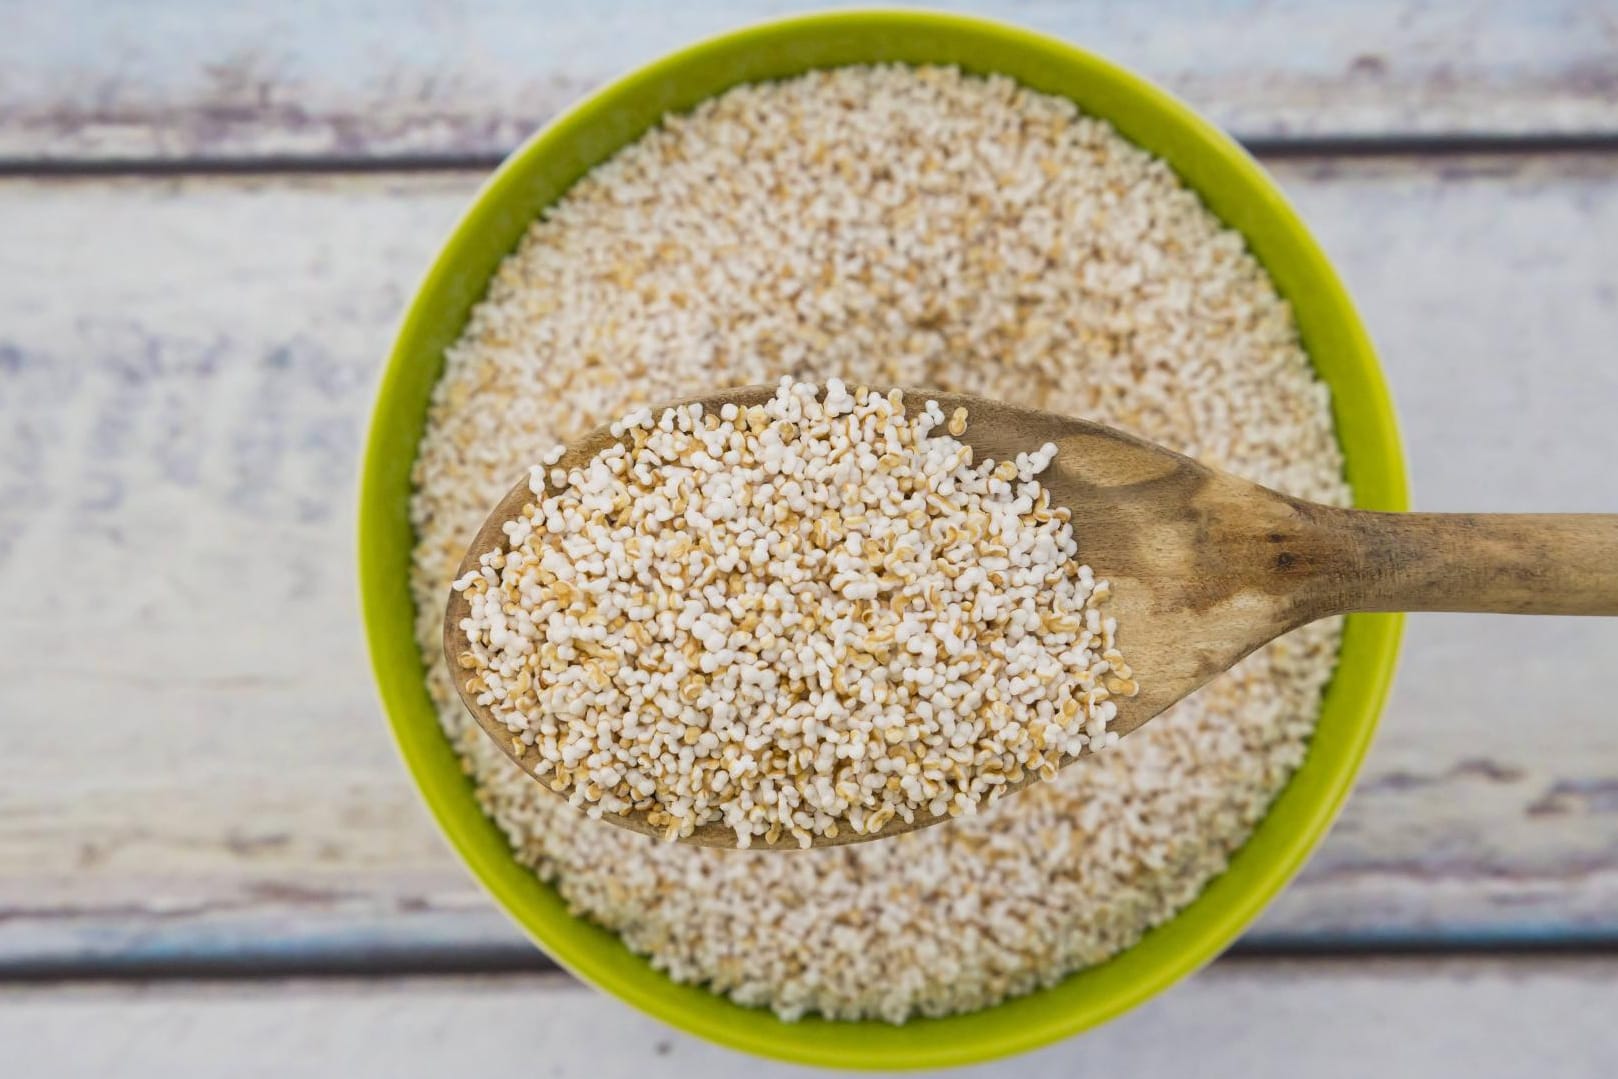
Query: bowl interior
{"type": "Point", "coordinates": [1231, 184]}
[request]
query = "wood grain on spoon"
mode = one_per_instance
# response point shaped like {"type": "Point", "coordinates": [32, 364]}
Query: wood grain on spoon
{"type": "Point", "coordinates": [1205, 567]}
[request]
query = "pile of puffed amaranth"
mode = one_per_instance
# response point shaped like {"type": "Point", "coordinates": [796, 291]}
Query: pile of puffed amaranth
{"type": "Point", "coordinates": [811, 615]}
{"type": "Point", "coordinates": [899, 227]}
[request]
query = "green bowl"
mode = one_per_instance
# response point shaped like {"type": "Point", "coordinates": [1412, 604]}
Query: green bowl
{"type": "Point", "coordinates": [1231, 184]}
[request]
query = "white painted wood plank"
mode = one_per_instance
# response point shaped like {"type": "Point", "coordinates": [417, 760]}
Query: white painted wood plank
{"type": "Point", "coordinates": [176, 79]}
{"type": "Point", "coordinates": [185, 367]}
{"type": "Point", "coordinates": [1496, 316]}
{"type": "Point", "coordinates": [195, 403]}
{"type": "Point", "coordinates": [1392, 1019]}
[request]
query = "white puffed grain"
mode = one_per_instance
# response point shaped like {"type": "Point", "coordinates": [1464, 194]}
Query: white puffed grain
{"type": "Point", "coordinates": [906, 227]}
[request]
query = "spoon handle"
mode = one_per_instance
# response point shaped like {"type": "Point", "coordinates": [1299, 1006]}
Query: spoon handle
{"type": "Point", "coordinates": [1506, 563]}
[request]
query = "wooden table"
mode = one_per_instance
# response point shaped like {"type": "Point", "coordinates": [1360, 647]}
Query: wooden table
{"type": "Point", "coordinates": [212, 215]}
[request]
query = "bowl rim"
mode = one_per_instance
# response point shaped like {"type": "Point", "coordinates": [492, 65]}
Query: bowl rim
{"type": "Point", "coordinates": [575, 944]}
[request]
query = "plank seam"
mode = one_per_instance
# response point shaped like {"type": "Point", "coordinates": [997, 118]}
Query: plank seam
{"type": "Point", "coordinates": [499, 960]}
{"type": "Point", "coordinates": [1274, 148]}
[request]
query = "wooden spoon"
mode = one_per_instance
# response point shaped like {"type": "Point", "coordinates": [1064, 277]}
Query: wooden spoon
{"type": "Point", "coordinates": [1205, 567]}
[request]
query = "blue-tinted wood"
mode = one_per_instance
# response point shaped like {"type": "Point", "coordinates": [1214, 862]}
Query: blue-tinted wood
{"type": "Point", "coordinates": [182, 79]}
